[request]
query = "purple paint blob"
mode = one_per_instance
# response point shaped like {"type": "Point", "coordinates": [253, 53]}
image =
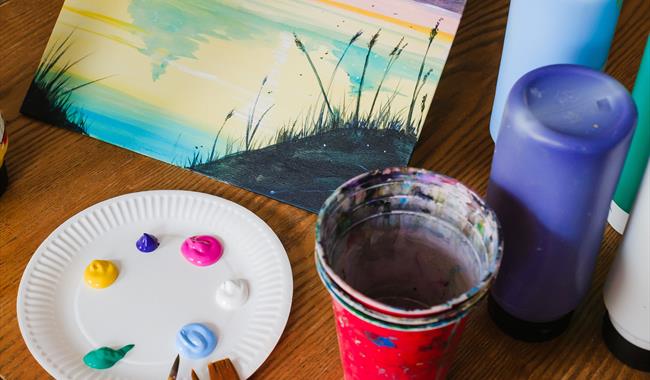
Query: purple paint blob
{"type": "Point", "coordinates": [147, 243]}
{"type": "Point", "coordinates": [408, 261]}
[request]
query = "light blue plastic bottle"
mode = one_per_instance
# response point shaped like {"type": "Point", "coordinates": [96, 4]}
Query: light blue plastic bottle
{"type": "Point", "coordinates": [546, 32]}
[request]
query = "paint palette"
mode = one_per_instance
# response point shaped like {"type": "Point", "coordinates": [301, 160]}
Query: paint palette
{"type": "Point", "coordinates": [61, 319]}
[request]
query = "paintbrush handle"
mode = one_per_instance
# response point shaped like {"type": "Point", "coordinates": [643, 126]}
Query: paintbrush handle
{"type": "Point", "coordinates": [223, 370]}
{"type": "Point", "coordinates": [174, 371]}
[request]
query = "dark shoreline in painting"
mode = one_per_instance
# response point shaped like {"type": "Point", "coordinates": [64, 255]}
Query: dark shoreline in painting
{"type": "Point", "coordinates": [48, 95]}
{"type": "Point", "coordinates": [305, 172]}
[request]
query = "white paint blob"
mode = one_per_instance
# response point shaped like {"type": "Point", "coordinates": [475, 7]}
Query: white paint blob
{"type": "Point", "coordinates": [232, 294]}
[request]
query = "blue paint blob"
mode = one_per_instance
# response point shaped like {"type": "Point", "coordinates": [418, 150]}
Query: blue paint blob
{"type": "Point", "coordinates": [147, 243]}
{"type": "Point", "coordinates": [195, 341]}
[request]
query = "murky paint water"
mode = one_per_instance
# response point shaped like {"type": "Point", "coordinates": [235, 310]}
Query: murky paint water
{"type": "Point", "coordinates": [407, 260]}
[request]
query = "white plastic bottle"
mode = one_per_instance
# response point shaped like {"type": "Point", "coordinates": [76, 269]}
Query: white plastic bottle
{"type": "Point", "coordinates": [626, 330]}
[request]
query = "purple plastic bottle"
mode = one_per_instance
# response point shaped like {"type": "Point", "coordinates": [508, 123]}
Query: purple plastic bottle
{"type": "Point", "coordinates": [565, 133]}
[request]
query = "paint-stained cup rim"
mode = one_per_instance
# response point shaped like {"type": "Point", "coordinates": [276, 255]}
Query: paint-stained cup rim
{"type": "Point", "coordinates": [384, 320]}
{"type": "Point", "coordinates": [457, 304]}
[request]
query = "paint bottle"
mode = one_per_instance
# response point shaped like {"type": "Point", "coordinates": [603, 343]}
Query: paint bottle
{"type": "Point", "coordinates": [626, 329]}
{"type": "Point", "coordinates": [547, 32]}
{"type": "Point", "coordinates": [565, 134]}
{"type": "Point", "coordinates": [637, 157]}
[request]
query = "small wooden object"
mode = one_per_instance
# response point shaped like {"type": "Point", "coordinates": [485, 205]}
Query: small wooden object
{"type": "Point", "coordinates": [222, 370]}
{"type": "Point", "coordinates": [194, 376]}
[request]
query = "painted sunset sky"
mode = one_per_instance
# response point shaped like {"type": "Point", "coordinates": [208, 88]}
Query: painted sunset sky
{"type": "Point", "coordinates": [172, 70]}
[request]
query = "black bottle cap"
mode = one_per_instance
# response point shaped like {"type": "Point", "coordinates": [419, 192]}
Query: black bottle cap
{"type": "Point", "coordinates": [633, 356]}
{"type": "Point", "coordinates": [525, 330]}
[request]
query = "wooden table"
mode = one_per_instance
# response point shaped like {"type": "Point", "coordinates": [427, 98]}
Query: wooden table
{"type": "Point", "coordinates": [55, 174]}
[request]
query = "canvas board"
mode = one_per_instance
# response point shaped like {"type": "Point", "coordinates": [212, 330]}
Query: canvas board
{"type": "Point", "coordinates": [287, 98]}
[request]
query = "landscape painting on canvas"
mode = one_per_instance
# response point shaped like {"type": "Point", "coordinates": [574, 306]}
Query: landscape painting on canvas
{"type": "Point", "coordinates": [287, 98]}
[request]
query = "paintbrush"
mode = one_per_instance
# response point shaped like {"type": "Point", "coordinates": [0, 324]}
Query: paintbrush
{"type": "Point", "coordinates": [174, 371]}
{"type": "Point", "coordinates": [194, 376]}
{"type": "Point", "coordinates": [222, 370]}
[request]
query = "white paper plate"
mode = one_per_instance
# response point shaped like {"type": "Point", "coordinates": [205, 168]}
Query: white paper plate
{"type": "Point", "coordinates": [61, 319]}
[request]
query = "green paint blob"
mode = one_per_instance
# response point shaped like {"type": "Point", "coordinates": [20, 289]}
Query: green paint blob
{"type": "Point", "coordinates": [105, 357]}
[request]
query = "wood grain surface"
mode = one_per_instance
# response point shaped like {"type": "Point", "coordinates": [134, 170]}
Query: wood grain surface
{"type": "Point", "coordinates": [55, 174]}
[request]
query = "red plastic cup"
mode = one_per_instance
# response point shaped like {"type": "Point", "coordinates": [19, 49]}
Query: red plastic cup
{"type": "Point", "coordinates": [375, 349]}
{"type": "Point", "coordinates": [369, 351]}
{"type": "Point", "coordinates": [406, 338]}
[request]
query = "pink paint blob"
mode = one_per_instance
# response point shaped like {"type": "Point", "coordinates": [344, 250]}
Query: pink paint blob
{"type": "Point", "coordinates": [202, 250]}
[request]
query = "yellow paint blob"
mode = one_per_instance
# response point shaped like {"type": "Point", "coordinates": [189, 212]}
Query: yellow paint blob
{"type": "Point", "coordinates": [100, 274]}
